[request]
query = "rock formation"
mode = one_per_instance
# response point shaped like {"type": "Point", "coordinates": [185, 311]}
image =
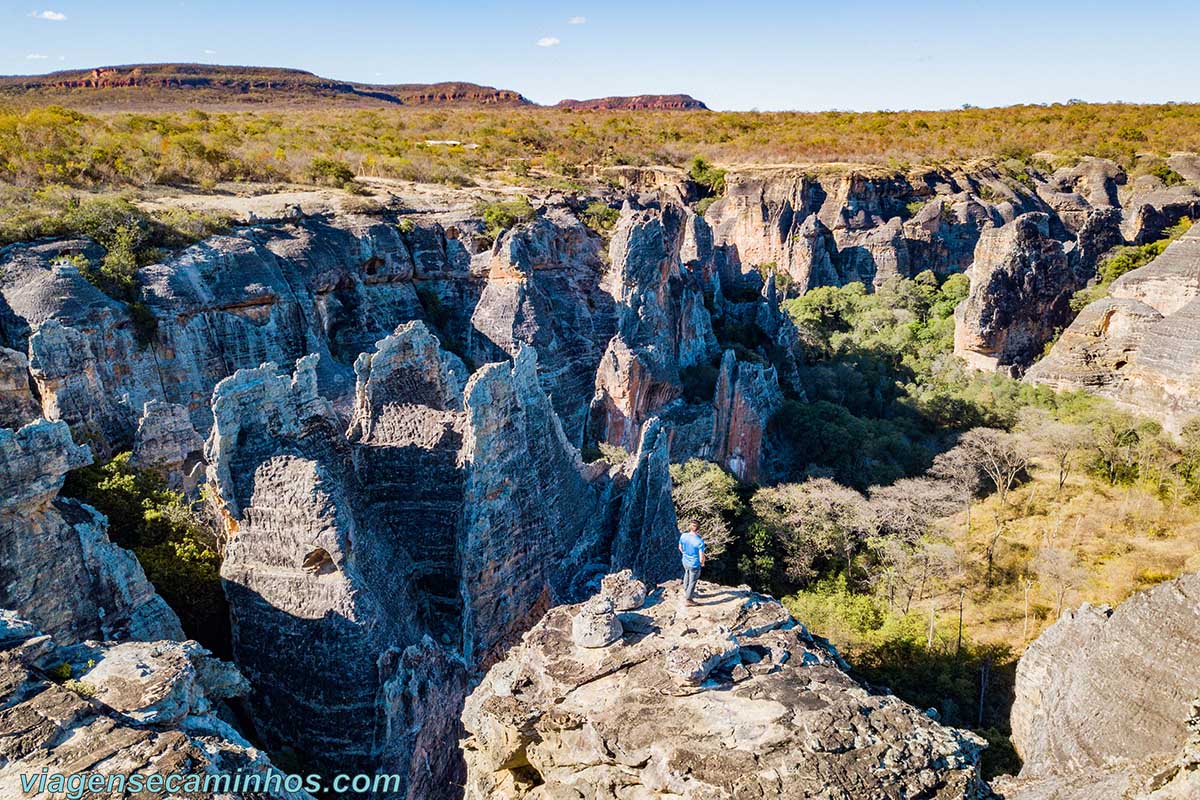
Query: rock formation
{"type": "Point", "coordinates": [144, 708]}
{"type": "Point", "coordinates": [748, 395]}
{"type": "Point", "coordinates": [642, 102]}
{"type": "Point", "coordinates": [17, 405]}
{"type": "Point", "coordinates": [1021, 286]}
{"type": "Point", "coordinates": [413, 547]}
{"type": "Point", "coordinates": [1106, 701]}
{"type": "Point", "coordinates": [166, 442]}
{"type": "Point", "coordinates": [58, 568]}
{"type": "Point", "coordinates": [727, 699]}
{"type": "Point", "coordinates": [1140, 346]}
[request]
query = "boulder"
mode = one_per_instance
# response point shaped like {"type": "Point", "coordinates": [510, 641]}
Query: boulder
{"type": "Point", "coordinates": [1105, 701]}
{"type": "Point", "coordinates": [149, 708]}
{"type": "Point", "coordinates": [626, 592]}
{"type": "Point", "coordinates": [596, 624]}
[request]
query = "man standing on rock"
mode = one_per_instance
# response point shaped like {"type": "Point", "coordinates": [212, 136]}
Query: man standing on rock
{"type": "Point", "coordinates": [691, 547]}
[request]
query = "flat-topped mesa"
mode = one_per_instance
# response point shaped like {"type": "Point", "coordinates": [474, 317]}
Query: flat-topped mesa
{"type": "Point", "coordinates": [146, 708]}
{"type": "Point", "coordinates": [729, 698]}
{"type": "Point", "coordinates": [641, 102]}
{"type": "Point", "coordinates": [58, 568]}
{"type": "Point", "coordinates": [1021, 285]}
{"type": "Point", "coordinates": [1106, 701]}
{"type": "Point", "coordinates": [1140, 346]}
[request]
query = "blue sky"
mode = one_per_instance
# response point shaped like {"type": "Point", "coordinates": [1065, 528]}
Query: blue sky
{"type": "Point", "coordinates": [733, 55]}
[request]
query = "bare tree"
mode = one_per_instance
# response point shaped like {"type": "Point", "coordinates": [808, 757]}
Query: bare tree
{"type": "Point", "coordinates": [1058, 444]}
{"type": "Point", "coordinates": [1002, 456]}
{"type": "Point", "coordinates": [958, 470]}
{"type": "Point", "coordinates": [1060, 571]}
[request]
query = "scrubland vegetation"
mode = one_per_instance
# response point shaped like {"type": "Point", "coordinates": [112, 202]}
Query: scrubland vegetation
{"type": "Point", "coordinates": [55, 145]}
{"type": "Point", "coordinates": [932, 521]}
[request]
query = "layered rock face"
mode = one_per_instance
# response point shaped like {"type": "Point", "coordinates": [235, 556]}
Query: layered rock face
{"type": "Point", "coordinates": [1140, 346]}
{"type": "Point", "coordinates": [1021, 287]}
{"type": "Point", "coordinates": [544, 290]}
{"type": "Point", "coordinates": [58, 568]}
{"type": "Point", "coordinates": [145, 708]}
{"type": "Point", "coordinates": [823, 227]}
{"type": "Point", "coordinates": [272, 292]}
{"type": "Point", "coordinates": [415, 546]}
{"type": "Point", "coordinates": [1106, 701]}
{"type": "Point", "coordinates": [731, 698]}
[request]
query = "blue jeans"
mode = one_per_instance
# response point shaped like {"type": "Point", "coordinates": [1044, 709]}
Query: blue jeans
{"type": "Point", "coordinates": [690, 576]}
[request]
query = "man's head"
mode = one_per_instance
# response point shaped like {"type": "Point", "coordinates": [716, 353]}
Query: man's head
{"type": "Point", "coordinates": [694, 526]}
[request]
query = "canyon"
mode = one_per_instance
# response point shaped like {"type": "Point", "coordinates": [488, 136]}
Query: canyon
{"type": "Point", "coordinates": [429, 452]}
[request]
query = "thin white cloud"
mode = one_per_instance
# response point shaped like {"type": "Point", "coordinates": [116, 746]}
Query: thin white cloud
{"type": "Point", "coordinates": [577, 21]}
{"type": "Point", "coordinates": [52, 16]}
{"type": "Point", "coordinates": [548, 41]}
{"type": "Point", "coordinates": [208, 52]}
{"type": "Point", "coordinates": [36, 56]}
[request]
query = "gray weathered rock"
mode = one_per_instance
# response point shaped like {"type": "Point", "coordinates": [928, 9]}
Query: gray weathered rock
{"type": "Point", "coordinates": [596, 624]}
{"type": "Point", "coordinates": [748, 395]}
{"type": "Point", "coordinates": [1021, 286]}
{"type": "Point", "coordinates": [726, 699]}
{"type": "Point", "coordinates": [58, 568]}
{"type": "Point", "coordinates": [17, 405]}
{"type": "Point", "coordinates": [135, 707]}
{"type": "Point", "coordinates": [626, 592]}
{"type": "Point", "coordinates": [166, 442]}
{"type": "Point", "coordinates": [1140, 346]}
{"type": "Point", "coordinates": [1105, 701]}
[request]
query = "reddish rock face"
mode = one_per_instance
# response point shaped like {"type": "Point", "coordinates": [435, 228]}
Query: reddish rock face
{"type": "Point", "coordinates": [237, 81]}
{"type": "Point", "coordinates": [642, 102]}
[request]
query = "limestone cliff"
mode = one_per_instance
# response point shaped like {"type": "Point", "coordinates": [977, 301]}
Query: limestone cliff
{"type": "Point", "coordinates": [626, 696]}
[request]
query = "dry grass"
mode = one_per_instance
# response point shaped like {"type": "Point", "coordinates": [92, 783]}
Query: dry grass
{"type": "Point", "coordinates": [1120, 540]}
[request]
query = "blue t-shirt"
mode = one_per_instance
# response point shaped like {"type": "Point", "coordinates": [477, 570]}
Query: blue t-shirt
{"type": "Point", "coordinates": [692, 546]}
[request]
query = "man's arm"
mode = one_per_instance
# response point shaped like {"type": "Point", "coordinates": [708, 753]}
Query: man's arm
{"type": "Point", "coordinates": [703, 558]}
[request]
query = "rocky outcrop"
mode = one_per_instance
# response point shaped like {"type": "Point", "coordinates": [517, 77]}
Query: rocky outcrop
{"type": "Point", "coordinates": [641, 102]}
{"type": "Point", "coordinates": [58, 568]}
{"type": "Point", "coordinates": [167, 443]}
{"type": "Point", "coordinates": [730, 698]}
{"type": "Point", "coordinates": [543, 290]}
{"type": "Point", "coordinates": [415, 546]}
{"type": "Point", "coordinates": [1021, 286]}
{"type": "Point", "coordinates": [133, 708]}
{"type": "Point", "coordinates": [748, 395]}
{"type": "Point", "coordinates": [831, 226]}
{"type": "Point", "coordinates": [1105, 701]}
{"type": "Point", "coordinates": [1140, 346]}
{"type": "Point", "coordinates": [661, 258]}
{"type": "Point", "coordinates": [17, 404]}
